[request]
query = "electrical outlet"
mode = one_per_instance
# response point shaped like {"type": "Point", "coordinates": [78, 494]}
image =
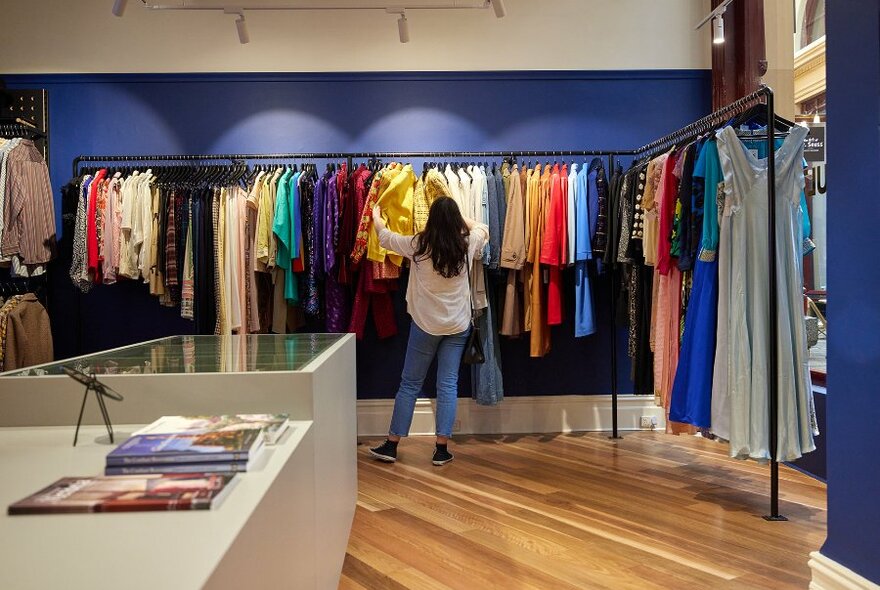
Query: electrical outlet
{"type": "Point", "coordinates": [456, 426]}
{"type": "Point", "coordinates": [648, 422]}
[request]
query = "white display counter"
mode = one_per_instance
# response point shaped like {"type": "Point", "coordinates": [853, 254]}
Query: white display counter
{"type": "Point", "coordinates": [309, 376]}
{"type": "Point", "coordinates": [261, 536]}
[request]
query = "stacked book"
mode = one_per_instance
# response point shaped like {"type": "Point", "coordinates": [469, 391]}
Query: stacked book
{"type": "Point", "coordinates": [175, 463]}
{"type": "Point", "coordinates": [196, 444]}
{"type": "Point", "coordinates": [133, 493]}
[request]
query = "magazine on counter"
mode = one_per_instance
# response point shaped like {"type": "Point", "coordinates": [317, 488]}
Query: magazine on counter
{"type": "Point", "coordinates": [273, 425]}
{"type": "Point", "coordinates": [218, 446]}
{"type": "Point", "coordinates": [191, 491]}
{"type": "Point", "coordinates": [216, 467]}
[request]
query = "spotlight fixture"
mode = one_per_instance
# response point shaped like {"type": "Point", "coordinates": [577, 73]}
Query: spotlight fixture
{"type": "Point", "coordinates": [119, 7]}
{"type": "Point", "coordinates": [240, 24]}
{"type": "Point", "coordinates": [718, 30]}
{"type": "Point", "coordinates": [498, 7]}
{"type": "Point", "coordinates": [403, 28]}
{"type": "Point", "coordinates": [243, 36]}
{"type": "Point", "coordinates": [816, 118]}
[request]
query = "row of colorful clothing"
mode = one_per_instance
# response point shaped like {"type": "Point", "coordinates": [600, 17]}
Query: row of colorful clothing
{"type": "Point", "coordinates": [285, 247]}
{"type": "Point", "coordinates": [690, 229]}
{"type": "Point", "coordinates": [25, 334]}
{"type": "Point", "coordinates": [27, 210]}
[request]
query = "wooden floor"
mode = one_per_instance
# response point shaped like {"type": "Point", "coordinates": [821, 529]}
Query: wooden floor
{"type": "Point", "coordinates": [578, 511]}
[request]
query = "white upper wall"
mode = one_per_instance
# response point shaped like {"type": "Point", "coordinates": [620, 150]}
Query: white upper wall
{"type": "Point", "coordinates": [82, 36]}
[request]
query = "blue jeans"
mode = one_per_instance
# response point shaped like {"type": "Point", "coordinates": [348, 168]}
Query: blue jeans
{"type": "Point", "coordinates": [420, 351]}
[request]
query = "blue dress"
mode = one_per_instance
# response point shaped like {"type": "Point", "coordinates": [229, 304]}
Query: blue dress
{"type": "Point", "coordinates": [691, 401]}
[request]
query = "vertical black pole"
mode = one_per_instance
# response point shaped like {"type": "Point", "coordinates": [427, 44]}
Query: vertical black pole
{"type": "Point", "coordinates": [773, 365]}
{"type": "Point", "coordinates": [611, 280]}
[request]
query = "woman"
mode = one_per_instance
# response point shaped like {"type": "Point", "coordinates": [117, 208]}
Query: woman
{"type": "Point", "coordinates": [438, 299]}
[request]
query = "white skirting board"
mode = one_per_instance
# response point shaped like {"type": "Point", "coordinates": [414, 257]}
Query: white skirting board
{"type": "Point", "coordinates": [830, 575]}
{"type": "Point", "coordinates": [514, 415]}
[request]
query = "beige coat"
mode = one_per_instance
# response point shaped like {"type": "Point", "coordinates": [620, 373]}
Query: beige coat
{"type": "Point", "coordinates": [513, 246]}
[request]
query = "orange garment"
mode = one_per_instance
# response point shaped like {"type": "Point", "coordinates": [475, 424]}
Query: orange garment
{"type": "Point", "coordinates": [539, 186]}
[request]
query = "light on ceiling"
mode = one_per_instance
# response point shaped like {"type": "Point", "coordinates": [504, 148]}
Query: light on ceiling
{"type": "Point", "coordinates": [119, 7]}
{"type": "Point", "coordinates": [817, 118]}
{"type": "Point", "coordinates": [243, 36]}
{"type": "Point", "coordinates": [498, 7]}
{"type": "Point", "coordinates": [403, 28]}
{"type": "Point", "coordinates": [718, 30]}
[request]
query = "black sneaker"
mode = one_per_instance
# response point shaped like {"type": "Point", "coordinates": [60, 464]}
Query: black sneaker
{"type": "Point", "coordinates": [387, 451]}
{"type": "Point", "coordinates": [442, 456]}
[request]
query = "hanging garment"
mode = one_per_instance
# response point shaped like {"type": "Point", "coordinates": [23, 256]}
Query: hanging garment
{"type": "Point", "coordinates": [553, 244]}
{"type": "Point", "coordinates": [112, 219]}
{"type": "Point", "coordinates": [584, 323]}
{"type": "Point", "coordinates": [572, 209]}
{"type": "Point", "coordinates": [92, 227]}
{"type": "Point", "coordinates": [493, 252]}
{"type": "Point", "coordinates": [513, 255]}
{"type": "Point", "coordinates": [282, 228]}
{"type": "Point", "coordinates": [539, 186]}
{"type": "Point", "coordinates": [365, 227]}
{"type": "Point", "coordinates": [746, 203]}
{"type": "Point", "coordinates": [501, 210]}
{"type": "Point", "coordinates": [396, 203]}
{"type": "Point", "coordinates": [187, 292]}
{"type": "Point", "coordinates": [28, 207]}
{"type": "Point", "coordinates": [78, 265]}
{"type": "Point", "coordinates": [692, 396]}
{"type": "Point", "coordinates": [5, 149]}
{"type": "Point", "coordinates": [27, 338]}
{"type": "Point", "coordinates": [487, 382]}
{"type": "Point", "coordinates": [600, 237]}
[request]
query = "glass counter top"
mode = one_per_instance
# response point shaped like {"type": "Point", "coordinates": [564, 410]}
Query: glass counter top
{"type": "Point", "coordinates": [199, 354]}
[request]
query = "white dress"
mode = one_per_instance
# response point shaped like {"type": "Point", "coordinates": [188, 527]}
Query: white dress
{"type": "Point", "coordinates": [747, 327]}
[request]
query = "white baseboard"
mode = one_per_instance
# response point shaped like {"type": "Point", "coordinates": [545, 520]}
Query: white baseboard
{"type": "Point", "coordinates": [533, 414]}
{"type": "Point", "coordinates": [830, 575]}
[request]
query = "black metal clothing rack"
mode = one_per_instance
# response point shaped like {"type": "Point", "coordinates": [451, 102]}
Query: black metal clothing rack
{"type": "Point", "coordinates": [763, 95]}
{"type": "Point", "coordinates": [686, 134]}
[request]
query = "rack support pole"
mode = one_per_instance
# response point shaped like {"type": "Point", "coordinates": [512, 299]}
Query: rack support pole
{"type": "Point", "coordinates": [773, 364]}
{"type": "Point", "coordinates": [612, 275]}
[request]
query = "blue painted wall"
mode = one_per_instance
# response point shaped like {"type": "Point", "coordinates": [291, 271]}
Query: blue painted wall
{"type": "Point", "coordinates": [259, 113]}
{"type": "Point", "coordinates": [853, 62]}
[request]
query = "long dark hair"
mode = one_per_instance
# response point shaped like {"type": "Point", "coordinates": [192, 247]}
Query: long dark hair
{"type": "Point", "coordinates": [444, 239]}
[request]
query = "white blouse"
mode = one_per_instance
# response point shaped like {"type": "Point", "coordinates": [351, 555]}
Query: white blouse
{"type": "Point", "coordinates": [438, 305]}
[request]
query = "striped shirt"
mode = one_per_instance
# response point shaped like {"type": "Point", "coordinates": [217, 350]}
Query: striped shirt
{"type": "Point", "coordinates": [28, 208]}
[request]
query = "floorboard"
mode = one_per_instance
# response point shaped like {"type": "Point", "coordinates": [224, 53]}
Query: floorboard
{"type": "Point", "coordinates": [575, 511]}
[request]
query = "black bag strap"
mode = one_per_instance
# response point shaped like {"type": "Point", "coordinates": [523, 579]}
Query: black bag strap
{"type": "Point", "coordinates": [467, 263]}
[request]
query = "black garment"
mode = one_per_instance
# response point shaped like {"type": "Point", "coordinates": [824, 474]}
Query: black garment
{"type": "Point", "coordinates": [643, 362]}
{"type": "Point", "coordinates": [613, 225]}
{"type": "Point", "coordinates": [600, 240]}
{"type": "Point", "coordinates": [681, 245]}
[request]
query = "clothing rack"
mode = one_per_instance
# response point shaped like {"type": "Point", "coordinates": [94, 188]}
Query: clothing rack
{"type": "Point", "coordinates": [763, 95]}
{"type": "Point", "coordinates": [349, 156]}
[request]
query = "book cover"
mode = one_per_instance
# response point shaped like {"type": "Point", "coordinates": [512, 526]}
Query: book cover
{"type": "Point", "coordinates": [273, 425]}
{"type": "Point", "coordinates": [224, 445]}
{"type": "Point", "coordinates": [191, 491]}
{"type": "Point", "coordinates": [216, 467]}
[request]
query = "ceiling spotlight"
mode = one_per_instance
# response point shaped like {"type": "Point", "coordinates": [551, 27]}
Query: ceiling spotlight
{"type": "Point", "coordinates": [718, 30]}
{"type": "Point", "coordinates": [498, 7]}
{"type": "Point", "coordinates": [243, 36]}
{"type": "Point", "coordinates": [119, 7]}
{"type": "Point", "coordinates": [403, 28]}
